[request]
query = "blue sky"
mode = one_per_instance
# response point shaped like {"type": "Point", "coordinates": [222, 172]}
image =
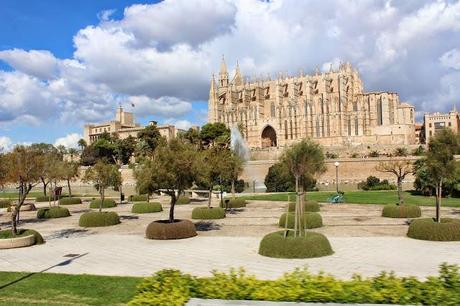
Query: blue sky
{"type": "Point", "coordinates": [64, 63]}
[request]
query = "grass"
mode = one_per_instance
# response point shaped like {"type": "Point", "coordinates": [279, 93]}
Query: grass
{"type": "Point", "coordinates": [65, 289]}
{"type": "Point", "coordinates": [362, 197]}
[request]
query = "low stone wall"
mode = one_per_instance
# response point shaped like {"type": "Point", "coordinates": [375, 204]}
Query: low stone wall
{"type": "Point", "coordinates": [20, 242]}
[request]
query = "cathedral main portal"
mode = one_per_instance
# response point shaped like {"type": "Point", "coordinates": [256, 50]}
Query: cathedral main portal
{"type": "Point", "coordinates": [268, 137]}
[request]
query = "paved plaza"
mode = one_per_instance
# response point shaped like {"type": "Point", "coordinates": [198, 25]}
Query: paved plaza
{"type": "Point", "coordinates": [363, 242]}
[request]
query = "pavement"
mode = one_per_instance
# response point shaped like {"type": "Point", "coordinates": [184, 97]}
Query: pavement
{"type": "Point", "coordinates": [80, 252]}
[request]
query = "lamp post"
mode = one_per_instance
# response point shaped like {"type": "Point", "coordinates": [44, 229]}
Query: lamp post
{"type": "Point", "coordinates": [121, 186]}
{"type": "Point", "coordinates": [336, 164]}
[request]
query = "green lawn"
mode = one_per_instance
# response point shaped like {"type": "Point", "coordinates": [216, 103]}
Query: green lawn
{"type": "Point", "coordinates": [363, 197]}
{"type": "Point", "coordinates": [14, 195]}
{"type": "Point", "coordinates": [65, 289]}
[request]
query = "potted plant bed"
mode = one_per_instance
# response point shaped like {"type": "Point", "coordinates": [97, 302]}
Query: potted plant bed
{"type": "Point", "coordinates": [24, 238]}
{"type": "Point", "coordinates": [165, 230]}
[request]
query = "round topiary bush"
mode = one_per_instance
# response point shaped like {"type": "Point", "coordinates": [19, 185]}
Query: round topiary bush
{"type": "Point", "coordinates": [310, 219]}
{"type": "Point", "coordinates": [145, 208]}
{"type": "Point", "coordinates": [5, 234]}
{"type": "Point", "coordinates": [163, 229]}
{"type": "Point", "coordinates": [108, 203]}
{"type": "Point", "coordinates": [429, 229]}
{"type": "Point", "coordinates": [5, 203]}
{"type": "Point", "coordinates": [183, 200]}
{"type": "Point", "coordinates": [207, 213]}
{"type": "Point", "coordinates": [98, 219]}
{"type": "Point", "coordinates": [138, 198]}
{"type": "Point", "coordinates": [401, 211]}
{"type": "Point", "coordinates": [311, 206]}
{"type": "Point", "coordinates": [233, 203]}
{"type": "Point", "coordinates": [53, 212]}
{"type": "Point", "coordinates": [69, 201]}
{"type": "Point", "coordinates": [307, 246]}
{"type": "Point", "coordinates": [45, 198]}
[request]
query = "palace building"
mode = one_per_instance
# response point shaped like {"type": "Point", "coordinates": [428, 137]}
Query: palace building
{"type": "Point", "coordinates": [331, 108]}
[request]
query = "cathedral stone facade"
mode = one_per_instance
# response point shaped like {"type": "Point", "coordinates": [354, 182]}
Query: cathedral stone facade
{"type": "Point", "coordinates": [331, 108]}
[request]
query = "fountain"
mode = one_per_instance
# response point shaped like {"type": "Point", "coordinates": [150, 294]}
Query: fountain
{"type": "Point", "coordinates": [239, 146]}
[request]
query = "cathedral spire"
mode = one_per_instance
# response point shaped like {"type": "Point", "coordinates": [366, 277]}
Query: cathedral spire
{"type": "Point", "coordinates": [223, 66]}
{"type": "Point", "coordinates": [238, 78]}
{"type": "Point", "coordinates": [212, 90]}
{"type": "Point", "coordinates": [223, 74]}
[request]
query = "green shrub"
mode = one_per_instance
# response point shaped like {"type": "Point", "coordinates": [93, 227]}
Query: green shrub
{"type": "Point", "coordinates": [311, 206]}
{"type": "Point", "coordinates": [310, 219]}
{"type": "Point", "coordinates": [52, 212]}
{"type": "Point", "coordinates": [98, 219]}
{"type": "Point", "coordinates": [5, 203]}
{"type": "Point", "coordinates": [206, 213]}
{"type": "Point", "coordinates": [145, 208]}
{"type": "Point", "coordinates": [183, 200]}
{"type": "Point", "coordinates": [233, 203]}
{"type": "Point", "coordinates": [279, 179]}
{"type": "Point", "coordinates": [171, 288]}
{"type": "Point", "coordinates": [108, 203]}
{"type": "Point", "coordinates": [163, 229]}
{"type": "Point", "coordinates": [138, 198]}
{"type": "Point", "coordinates": [429, 229]}
{"type": "Point", "coordinates": [401, 211]}
{"type": "Point", "coordinates": [69, 201]}
{"type": "Point", "coordinates": [45, 198]}
{"type": "Point", "coordinates": [4, 234]}
{"type": "Point", "coordinates": [374, 183]}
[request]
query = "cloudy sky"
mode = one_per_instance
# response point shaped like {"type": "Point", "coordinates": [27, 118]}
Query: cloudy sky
{"type": "Point", "coordinates": [64, 63]}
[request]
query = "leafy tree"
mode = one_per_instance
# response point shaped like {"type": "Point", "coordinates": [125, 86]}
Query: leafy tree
{"type": "Point", "coordinates": [280, 179]}
{"type": "Point", "coordinates": [69, 173]}
{"type": "Point", "coordinates": [82, 144]}
{"type": "Point", "coordinates": [400, 152]}
{"type": "Point", "coordinates": [149, 138]}
{"type": "Point", "coordinates": [103, 175]}
{"type": "Point", "coordinates": [192, 135]}
{"type": "Point", "coordinates": [419, 151]}
{"type": "Point", "coordinates": [89, 156]}
{"type": "Point", "coordinates": [172, 167]}
{"type": "Point", "coordinates": [48, 155]}
{"type": "Point", "coordinates": [440, 162]}
{"type": "Point", "coordinates": [3, 170]}
{"type": "Point", "coordinates": [217, 133]}
{"type": "Point", "coordinates": [400, 168]}
{"type": "Point", "coordinates": [124, 149]}
{"type": "Point", "coordinates": [23, 168]}
{"type": "Point", "coordinates": [304, 160]}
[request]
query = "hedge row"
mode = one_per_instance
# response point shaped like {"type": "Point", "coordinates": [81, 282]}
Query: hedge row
{"type": "Point", "coordinates": [108, 203]}
{"type": "Point", "coordinates": [5, 203]}
{"type": "Point", "coordinates": [183, 200]}
{"type": "Point", "coordinates": [311, 206]}
{"type": "Point", "coordinates": [172, 287]}
{"type": "Point", "coordinates": [45, 198]}
{"type": "Point", "coordinates": [53, 212]}
{"type": "Point", "coordinates": [98, 219]}
{"type": "Point", "coordinates": [401, 211]}
{"type": "Point", "coordinates": [308, 245]}
{"type": "Point", "coordinates": [69, 201]}
{"type": "Point", "coordinates": [205, 213]}
{"type": "Point", "coordinates": [233, 203]}
{"type": "Point", "coordinates": [4, 234]}
{"type": "Point", "coordinates": [138, 198]}
{"type": "Point", "coordinates": [164, 230]}
{"type": "Point", "coordinates": [429, 229]}
{"type": "Point", "coordinates": [310, 220]}
{"type": "Point", "coordinates": [144, 208]}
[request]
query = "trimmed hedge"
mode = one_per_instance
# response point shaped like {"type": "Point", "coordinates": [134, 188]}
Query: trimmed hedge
{"type": "Point", "coordinates": [5, 203]}
{"type": "Point", "coordinates": [98, 219]}
{"type": "Point", "coordinates": [233, 203]}
{"type": "Point", "coordinates": [108, 203]}
{"type": "Point", "coordinates": [429, 229]}
{"type": "Point", "coordinates": [138, 198]}
{"type": "Point", "coordinates": [206, 213]}
{"type": "Point", "coordinates": [53, 212]}
{"type": "Point", "coordinates": [401, 211]}
{"type": "Point", "coordinates": [45, 198]}
{"type": "Point", "coordinates": [4, 234]}
{"type": "Point", "coordinates": [172, 287]}
{"type": "Point", "coordinates": [69, 201]}
{"type": "Point", "coordinates": [311, 206]}
{"type": "Point", "coordinates": [164, 230]}
{"type": "Point", "coordinates": [307, 246]}
{"type": "Point", "coordinates": [183, 200]}
{"type": "Point", "coordinates": [311, 220]}
{"type": "Point", "coordinates": [145, 208]}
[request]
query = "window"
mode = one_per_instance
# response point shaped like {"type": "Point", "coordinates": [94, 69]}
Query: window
{"type": "Point", "coordinates": [273, 110]}
{"type": "Point", "coordinates": [379, 112]}
{"type": "Point", "coordinates": [285, 130]}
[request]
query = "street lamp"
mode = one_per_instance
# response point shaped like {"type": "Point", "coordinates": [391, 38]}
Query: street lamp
{"type": "Point", "coordinates": [121, 191]}
{"type": "Point", "coordinates": [336, 164]}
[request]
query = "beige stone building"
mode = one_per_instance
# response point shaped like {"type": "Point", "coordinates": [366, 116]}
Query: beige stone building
{"type": "Point", "coordinates": [438, 121]}
{"type": "Point", "coordinates": [332, 108]}
{"type": "Point", "coordinates": [124, 126]}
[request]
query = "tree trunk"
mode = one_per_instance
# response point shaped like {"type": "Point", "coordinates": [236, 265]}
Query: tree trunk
{"type": "Point", "coordinates": [233, 188]}
{"type": "Point", "coordinates": [102, 200]}
{"type": "Point", "coordinates": [296, 211]}
{"type": "Point", "coordinates": [438, 201]}
{"type": "Point", "coordinates": [24, 191]}
{"type": "Point", "coordinates": [45, 184]}
{"type": "Point", "coordinates": [210, 197]}
{"type": "Point", "coordinates": [148, 197]}
{"type": "Point", "coordinates": [68, 186]}
{"type": "Point", "coordinates": [173, 204]}
{"type": "Point", "coordinates": [400, 195]}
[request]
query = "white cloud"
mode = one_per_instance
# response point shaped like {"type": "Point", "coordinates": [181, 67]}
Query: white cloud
{"type": "Point", "coordinates": [163, 106]}
{"type": "Point", "coordinates": [451, 59]}
{"type": "Point", "coordinates": [68, 141]}
{"type": "Point", "coordinates": [38, 63]}
{"type": "Point", "coordinates": [180, 124]}
{"type": "Point", "coordinates": [5, 144]}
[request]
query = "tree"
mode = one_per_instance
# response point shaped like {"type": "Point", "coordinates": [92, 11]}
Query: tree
{"type": "Point", "coordinates": [82, 144]}
{"type": "Point", "coordinates": [401, 151]}
{"type": "Point", "coordinates": [3, 170]}
{"type": "Point", "coordinates": [400, 168]}
{"type": "Point", "coordinates": [47, 155]}
{"type": "Point", "coordinates": [124, 149]}
{"type": "Point", "coordinates": [69, 170]}
{"type": "Point", "coordinates": [149, 138]}
{"type": "Point", "coordinates": [304, 161]}
{"type": "Point", "coordinates": [280, 179]}
{"type": "Point", "coordinates": [192, 135]}
{"type": "Point", "coordinates": [235, 167]}
{"type": "Point", "coordinates": [103, 175]}
{"type": "Point", "coordinates": [24, 169]}
{"type": "Point", "coordinates": [440, 162]}
{"type": "Point", "coordinates": [172, 167]}
{"type": "Point", "coordinates": [217, 133]}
